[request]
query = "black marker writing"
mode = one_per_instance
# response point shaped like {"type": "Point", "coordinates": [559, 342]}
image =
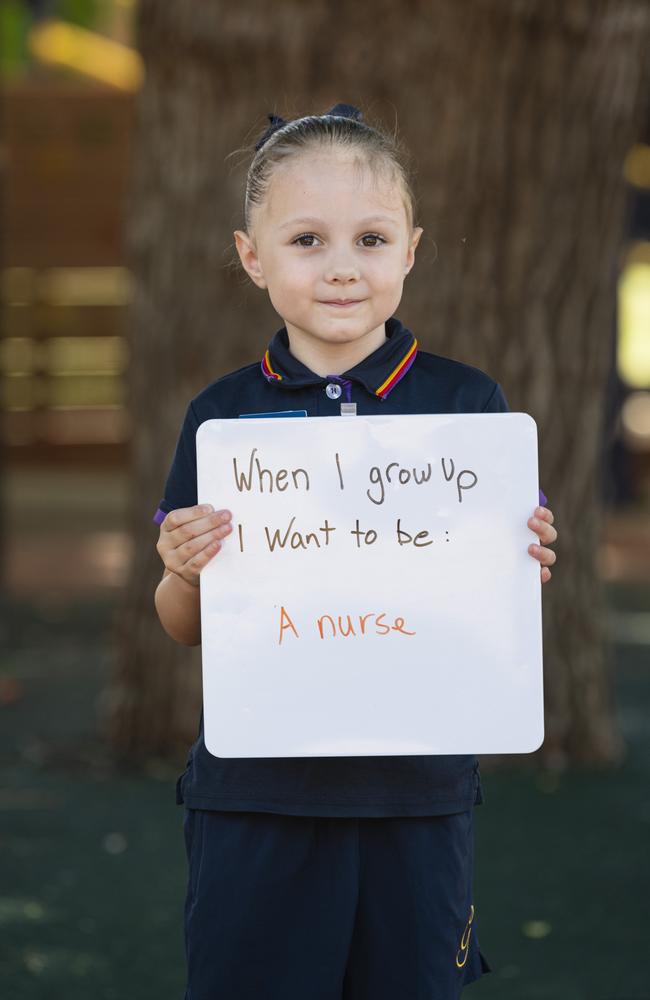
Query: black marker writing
{"type": "Point", "coordinates": [277, 479]}
{"type": "Point", "coordinates": [297, 539]}
{"type": "Point", "coordinates": [444, 471]}
{"type": "Point", "coordinates": [405, 538]}
{"type": "Point", "coordinates": [403, 476]}
{"type": "Point", "coordinates": [369, 536]}
{"type": "Point", "coordinates": [460, 484]}
{"type": "Point", "coordinates": [338, 468]}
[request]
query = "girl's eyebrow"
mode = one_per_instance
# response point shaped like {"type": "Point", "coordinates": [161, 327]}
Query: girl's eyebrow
{"type": "Point", "coordinates": [311, 221]}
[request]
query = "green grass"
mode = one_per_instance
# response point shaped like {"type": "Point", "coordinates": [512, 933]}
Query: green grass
{"type": "Point", "coordinates": [92, 862]}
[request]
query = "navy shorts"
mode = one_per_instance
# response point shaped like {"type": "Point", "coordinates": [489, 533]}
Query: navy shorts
{"type": "Point", "coordinates": [295, 907]}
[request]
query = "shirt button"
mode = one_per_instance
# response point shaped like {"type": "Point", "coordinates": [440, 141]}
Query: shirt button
{"type": "Point", "coordinates": [333, 390]}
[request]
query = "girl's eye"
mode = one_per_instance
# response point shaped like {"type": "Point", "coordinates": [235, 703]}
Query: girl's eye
{"type": "Point", "coordinates": [305, 236]}
{"type": "Point", "coordinates": [368, 236]}
{"type": "Point", "coordinates": [373, 236]}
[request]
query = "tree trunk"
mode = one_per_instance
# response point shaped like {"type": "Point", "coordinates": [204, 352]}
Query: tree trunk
{"type": "Point", "coordinates": [519, 114]}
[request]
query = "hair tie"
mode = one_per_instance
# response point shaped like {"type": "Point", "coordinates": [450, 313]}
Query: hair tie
{"type": "Point", "coordinates": [346, 111]}
{"type": "Point", "coordinates": [276, 123]}
{"type": "Point", "coordinates": [338, 111]}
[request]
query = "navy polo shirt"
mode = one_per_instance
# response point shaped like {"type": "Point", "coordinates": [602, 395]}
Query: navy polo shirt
{"type": "Point", "coordinates": [396, 378]}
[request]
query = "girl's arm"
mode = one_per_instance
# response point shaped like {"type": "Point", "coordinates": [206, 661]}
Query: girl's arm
{"type": "Point", "coordinates": [189, 538]}
{"type": "Point", "coordinates": [178, 606]}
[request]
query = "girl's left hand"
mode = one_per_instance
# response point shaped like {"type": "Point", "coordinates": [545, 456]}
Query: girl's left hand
{"type": "Point", "coordinates": [542, 524]}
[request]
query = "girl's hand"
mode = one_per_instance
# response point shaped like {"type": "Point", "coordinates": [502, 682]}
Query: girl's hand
{"type": "Point", "coordinates": [542, 524]}
{"type": "Point", "coordinates": [190, 537]}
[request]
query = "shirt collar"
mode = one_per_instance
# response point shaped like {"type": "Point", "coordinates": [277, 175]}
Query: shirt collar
{"type": "Point", "coordinates": [379, 373]}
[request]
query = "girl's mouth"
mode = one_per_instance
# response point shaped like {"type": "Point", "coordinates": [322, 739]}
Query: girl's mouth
{"type": "Point", "coordinates": [342, 303]}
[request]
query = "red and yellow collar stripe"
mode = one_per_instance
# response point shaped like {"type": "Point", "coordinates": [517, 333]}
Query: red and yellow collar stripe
{"type": "Point", "coordinates": [267, 368]}
{"type": "Point", "coordinates": [398, 372]}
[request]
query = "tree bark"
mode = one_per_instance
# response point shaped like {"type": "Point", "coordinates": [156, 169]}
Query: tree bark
{"type": "Point", "coordinates": [519, 114]}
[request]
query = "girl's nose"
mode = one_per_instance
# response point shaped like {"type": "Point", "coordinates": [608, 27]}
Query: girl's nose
{"type": "Point", "coordinates": [341, 270]}
{"type": "Point", "coordinates": [342, 273]}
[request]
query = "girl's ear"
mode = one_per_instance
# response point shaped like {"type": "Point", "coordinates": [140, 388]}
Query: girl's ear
{"type": "Point", "coordinates": [248, 257]}
{"type": "Point", "coordinates": [415, 239]}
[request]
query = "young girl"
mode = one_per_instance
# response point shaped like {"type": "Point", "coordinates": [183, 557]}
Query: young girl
{"type": "Point", "coordinates": [324, 878]}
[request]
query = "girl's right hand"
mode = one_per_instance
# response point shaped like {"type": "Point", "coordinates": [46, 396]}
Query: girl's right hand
{"type": "Point", "coordinates": [190, 537]}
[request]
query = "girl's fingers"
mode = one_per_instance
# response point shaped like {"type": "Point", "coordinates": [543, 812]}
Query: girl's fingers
{"type": "Point", "coordinates": [191, 569]}
{"type": "Point", "coordinates": [545, 532]}
{"type": "Point", "coordinates": [198, 561]}
{"type": "Point", "coordinates": [188, 522]}
{"type": "Point", "coordinates": [542, 524]}
{"type": "Point", "coordinates": [182, 515]}
{"type": "Point", "coordinates": [194, 546]}
{"type": "Point", "coordinates": [547, 557]}
{"type": "Point", "coordinates": [191, 536]}
{"type": "Point", "coordinates": [187, 528]}
{"type": "Point", "coordinates": [545, 513]}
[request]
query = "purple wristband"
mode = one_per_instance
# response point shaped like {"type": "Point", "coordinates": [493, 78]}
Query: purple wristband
{"type": "Point", "coordinates": [542, 499]}
{"type": "Point", "coordinates": [159, 516]}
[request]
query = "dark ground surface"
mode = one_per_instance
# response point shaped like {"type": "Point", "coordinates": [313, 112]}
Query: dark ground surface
{"type": "Point", "coordinates": [92, 863]}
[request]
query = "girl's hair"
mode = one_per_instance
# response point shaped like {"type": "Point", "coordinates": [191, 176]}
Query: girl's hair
{"type": "Point", "coordinates": [342, 126]}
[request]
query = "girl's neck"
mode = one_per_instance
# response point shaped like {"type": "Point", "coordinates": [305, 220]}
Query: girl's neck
{"type": "Point", "coordinates": [325, 358]}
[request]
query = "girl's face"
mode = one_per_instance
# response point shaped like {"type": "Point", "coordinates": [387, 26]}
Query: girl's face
{"type": "Point", "coordinates": [330, 230]}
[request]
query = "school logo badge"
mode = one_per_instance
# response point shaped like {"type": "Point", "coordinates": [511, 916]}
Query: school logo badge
{"type": "Point", "coordinates": [463, 951]}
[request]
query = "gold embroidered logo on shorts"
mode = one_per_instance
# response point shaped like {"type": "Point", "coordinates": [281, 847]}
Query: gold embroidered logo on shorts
{"type": "Point", "coordinates": [463, 951]}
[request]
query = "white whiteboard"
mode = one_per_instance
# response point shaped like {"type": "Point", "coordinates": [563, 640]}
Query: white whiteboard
{"type": "Point", "coordinates": [454, 666]}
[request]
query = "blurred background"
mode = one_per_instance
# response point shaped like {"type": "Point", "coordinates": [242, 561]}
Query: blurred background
{"type": "Point", "coordinates": [118, 202]}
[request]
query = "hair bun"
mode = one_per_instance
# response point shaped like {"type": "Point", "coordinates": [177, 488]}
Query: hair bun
{"type": "Point", "coordinates": [346, 111]}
